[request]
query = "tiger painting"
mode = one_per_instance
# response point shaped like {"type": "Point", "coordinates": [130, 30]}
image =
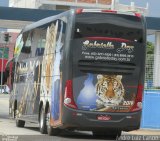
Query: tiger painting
{"type": "Point", "coordinates": [47, 64]}
{"type": "Point", "coordinates": [110, 91]}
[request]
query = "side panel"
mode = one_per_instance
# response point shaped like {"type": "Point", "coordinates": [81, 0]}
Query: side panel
{"type": "Point", "coordinates": [51, 80]}
{"type": "Point", "coordinates": [27, 76]}
{"type": "Point", "coordinates": [47, 64]}
{"type": "Point", "coordinates": [27, 88]}
{"type": "Point", "coordinates": [56, 98]}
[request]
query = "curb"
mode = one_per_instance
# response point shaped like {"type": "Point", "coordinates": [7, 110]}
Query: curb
{"type": "Point", "coordinates": [143, 132]}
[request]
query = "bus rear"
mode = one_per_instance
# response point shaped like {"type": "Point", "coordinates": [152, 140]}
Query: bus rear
{"type": "Point", "coordinates": [104, 91]}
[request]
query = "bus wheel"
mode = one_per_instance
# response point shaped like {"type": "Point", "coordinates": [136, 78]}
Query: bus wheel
{"type": "Point", "coordinates": [51, 131]}
{"type": "Point", "coordinates": [20, 123]}
{"type": "Point", "coordinates": [13, 113]}
{"type": "Point", "coordinates": [42, 122]}
{"type": "Point", "coordinates": [14, 108]}
{"type": "Point", "coordinates": [107, 134]}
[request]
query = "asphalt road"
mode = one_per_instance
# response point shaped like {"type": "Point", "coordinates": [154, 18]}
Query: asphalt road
{"type": "Point", "coordinates": [4, 106]}
{"type": "Point", "coordinates": [9, 131]}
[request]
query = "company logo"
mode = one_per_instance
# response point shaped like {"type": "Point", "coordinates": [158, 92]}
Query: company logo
{"type": "Point", "coordinates": [125, 47]}
{"type": "Point", "coordinates": [95, 44]}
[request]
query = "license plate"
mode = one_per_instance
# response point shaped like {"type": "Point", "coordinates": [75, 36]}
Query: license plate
{"type": "Point", "coordinates": [104, 117]}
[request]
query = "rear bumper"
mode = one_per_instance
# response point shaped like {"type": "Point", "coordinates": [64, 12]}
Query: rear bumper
{"type": "Point", "coordinates": [86, 120]}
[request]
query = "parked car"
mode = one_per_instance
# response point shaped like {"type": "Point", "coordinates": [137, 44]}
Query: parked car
{"type": "Point", "coordinates": [4, 89]}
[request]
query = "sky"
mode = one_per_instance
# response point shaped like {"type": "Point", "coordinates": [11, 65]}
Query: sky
{"type": "Point", "coordinates": [4, 2]}
{"type": "Point", "coordinates": [154, 6]}
{"type": "Point", "coordinates": [154, 10]}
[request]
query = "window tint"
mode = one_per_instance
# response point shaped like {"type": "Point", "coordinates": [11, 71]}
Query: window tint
{"type": "Point", "coordinates": [108, 25]}
{"type": "Point", "coordinates": [41, 41]}
{"type": "Point", "coordinates": [27, 39]}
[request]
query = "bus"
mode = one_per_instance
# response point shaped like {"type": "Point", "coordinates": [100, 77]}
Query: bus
{"type": "Point", "coordinates": [82, 69]}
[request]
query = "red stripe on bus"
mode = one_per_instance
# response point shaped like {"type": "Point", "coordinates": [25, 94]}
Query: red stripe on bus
{"type": "Point", "coordinates": [108, 38]}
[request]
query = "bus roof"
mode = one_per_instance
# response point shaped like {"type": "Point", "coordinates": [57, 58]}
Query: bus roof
{"type": "Point", "coordinates": [77, 11]}
{"type": "Point", "coordinates": [45, 21]}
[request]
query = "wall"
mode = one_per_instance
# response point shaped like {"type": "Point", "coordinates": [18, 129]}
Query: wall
{"type": "Point", "coordinates": [22, 3]}
{"type": "Point", "coordinates": [151, 112]}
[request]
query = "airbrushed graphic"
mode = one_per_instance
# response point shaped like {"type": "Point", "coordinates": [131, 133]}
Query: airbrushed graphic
{"type": "Point", "coordinates": [47, 63]}
{"type": "Point", "coordinates": [101, 93]}
{"type": "Point", "coordinates": [18, 46]}
{"type": "Point", "coordinates": [55, 99]}
{"type": "Point", "coordinates": [87, 97]}
{"type": "Point", "coordinates": [110, 91]}
{"type": "Point", "coordinates": [28, 74]}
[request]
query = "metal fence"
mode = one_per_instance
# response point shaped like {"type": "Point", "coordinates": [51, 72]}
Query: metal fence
{"type": "Point", "coordinates": [149, 75]}
{"type": "Point", "coordinates": [149, 71]}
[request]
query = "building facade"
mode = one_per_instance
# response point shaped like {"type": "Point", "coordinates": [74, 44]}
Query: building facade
{"type": "Point", "coordinates": [60, 4]}
{"type": "Point", "coordinates": [22, 3]}
{"type": "Point", "coordinates": [68, 4]}
{"type": "Point", "coordinates": [6, 54]}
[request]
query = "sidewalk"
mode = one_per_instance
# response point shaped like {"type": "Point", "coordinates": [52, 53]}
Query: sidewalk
{"type": "Point", "coordinates": [144, 132]}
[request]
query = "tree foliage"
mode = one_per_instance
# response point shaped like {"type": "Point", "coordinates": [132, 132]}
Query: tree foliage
{"type": "Point", "coordinates": [150, 48]}
{"type": "Point", "coordinates": [149, 65]}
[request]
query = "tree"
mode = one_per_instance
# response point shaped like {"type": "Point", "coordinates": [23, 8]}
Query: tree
{"type": "Point", "coordinates": [149, 65]}
{"type": "Point", "coordinates": [150, 48]}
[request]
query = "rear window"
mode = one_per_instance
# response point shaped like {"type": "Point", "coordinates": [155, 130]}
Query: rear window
{"type": "Point", "coordinates": [108, 25]}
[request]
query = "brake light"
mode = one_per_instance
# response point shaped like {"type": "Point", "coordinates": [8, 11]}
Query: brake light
{"type": "Point", "coordinates": [68, 96]}
{"type": "Point", "coordinates": [138, 101]}
{"type": "Point", "coordinates": [109, 11]}
{"type": "Point", "coordinates": [138, 15]}
{"type": "Point", "coordinates": [79, 11]}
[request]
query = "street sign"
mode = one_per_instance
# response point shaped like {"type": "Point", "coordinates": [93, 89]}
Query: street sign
{"type": "Point", "coordinates": [4, 52]}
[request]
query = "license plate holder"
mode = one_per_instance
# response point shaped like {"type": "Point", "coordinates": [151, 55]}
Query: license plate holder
{"type": "Point", "coordinates": [104, 117]}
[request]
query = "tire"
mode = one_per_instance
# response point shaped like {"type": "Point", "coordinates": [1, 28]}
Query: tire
{"type": "Point", "coordinates": [14, 110]}
{"type": "Point", "coordinates": [42, 122]}
{"type": "Point", "coordinates": [111, 134]}
{"type": "Point", "coordinates": [14, 114]}
{"type": "Point", "coordinates": [20, 123]}
{"type": "Point", "coordinates": [51, 131]}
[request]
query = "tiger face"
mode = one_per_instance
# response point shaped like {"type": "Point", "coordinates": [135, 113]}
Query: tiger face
{"type": "Point", "coordinates": [47, 64]}
{"type": "Point", "coordinates": [109, 90]}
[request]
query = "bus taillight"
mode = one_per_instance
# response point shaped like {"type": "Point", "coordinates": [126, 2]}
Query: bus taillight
{"type": "Point", "coordinates": [109, 11]}
{"type": "Point", "coordinates": [68, 96]}
{"type": "Point", "coordinates": [138, 101]}
{"type": "Point", "coordinates": [79, 11]}
{"type": "Point", "coordinates": [138, 15]}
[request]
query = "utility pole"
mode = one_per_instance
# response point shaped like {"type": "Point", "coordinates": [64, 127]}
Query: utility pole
{"type": "Point", "coordinates": [1, 70]}
{"type": "Point", "coordinates": [6, 39]}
